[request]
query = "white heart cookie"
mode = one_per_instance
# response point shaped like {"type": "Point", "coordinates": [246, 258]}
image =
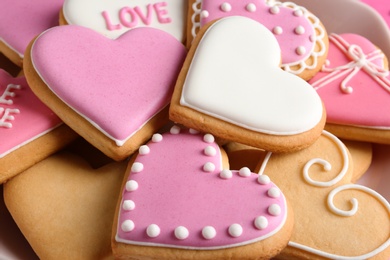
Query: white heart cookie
{"type": "Point", "coordinates": [235, 76]}
{"type": "Point", "coordinates": [113, 18]}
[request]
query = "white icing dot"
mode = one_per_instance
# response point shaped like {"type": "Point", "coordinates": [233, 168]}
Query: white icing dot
{"type": "Point", "coordinates": [193, 131]}
{"type": "Point", "coordinates": [153, 230]}
{"type": "Point", "coordinates": [277, 30]}
{"type": "Point", "coordinates": [263, 179]}
{"type": "Point", "coordinates": [273, 192]}
{"type": "Point", "coordinates": [208, 138]}
{"type": "Point", "coordinates": [261, 222]}
{"type": "Point", "coordinates": [274, 10]}
{"type": "Point", "coordinates": [144, 149]}
{"type": "Point", "coordinates": [175, 130]}
{"type": "Point", "coordinates": [298, 12]}
{"type": "Point", "coordinates": [204, 14]}
{"type": "Point", "coordinates": [128, 205]}
{"type": "Point", "coordinates": [137, 167]}
{"type": "Point", "coordinates": [181, 233]}
{"type": "Point", "coordinates": [208, 167]}
{"type": "Point", "coordinates": [245, 172]}
{"type": "Point", "coordinates": [209, 232]}
{"type": "Point", "coordinates": [210, 151]}
{"type": "Point", "coordinates": [312, 38]}
{"type": "Point", "coordinates": [127, 225]}
{"type": "Point", "coordinates": [131, 185]}
{"type": "Point", "coordinates": [226, 174]}
{"type": "Point", "coordinates": [226, 7]}
{"type": "Point", "coordinates": [235, 230]}
{"type": "Point", "coordinates": [251, 7]}
{"type": "Point", "coordinates": [300, 50]}
{"type": "Point", "coordinates": [156, 138]}
{"type": "Point", "coordinates": [274, 210]}
{"type": "Point", "coordinates": [299, 30]}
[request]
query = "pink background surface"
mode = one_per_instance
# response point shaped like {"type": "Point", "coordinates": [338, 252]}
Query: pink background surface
{"type": "Point", "coordinates": [14, 246]}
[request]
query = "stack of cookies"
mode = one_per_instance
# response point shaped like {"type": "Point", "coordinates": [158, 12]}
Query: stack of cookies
{"type": "Point", "coordinates": [199, 129]}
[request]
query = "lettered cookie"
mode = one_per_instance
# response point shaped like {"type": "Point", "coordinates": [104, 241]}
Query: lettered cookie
{"type": "Point", "coordinates": [231, 85]}
{"type": "Point", "coordinates": [64, 207]}
{"type": "Point", "coordinates": [301, 35]}
{"type": "Point", "coordinates": [21, 21]}
{"type": "Point", "coordinates": [180, 201]}
{"type": "Point", "coordinates": [334, 219]}
{"type": "Point", "coordinates": [354, 85]}
{"type": "Point", "coordinates": [113, 18]}
{"type": "Point", "coordinates": [29, 130]}
{"type": "Point", "coordinates": [113, 95]}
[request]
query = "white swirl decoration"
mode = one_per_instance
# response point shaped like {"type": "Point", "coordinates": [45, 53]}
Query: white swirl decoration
{"type": "Point", "coordinates": [327, 166]}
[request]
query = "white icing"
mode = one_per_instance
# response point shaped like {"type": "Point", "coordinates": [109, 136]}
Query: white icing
{"type": "Point", "coordinates": [261, 222]}
{"type": "Point", "coordinates": [301, 50]}
{"type": "Point", "coordinates": [208, 138]}
{"type": "Point", "coordinates": [156, 138]}
{"type": "Point", "coordinates": [131, 185]}
{"type": "Point", "coordinates": [9, 92]}
{"type": "Point", "coordinates": [7, 116]}
{"type": "Point", "coordinates": [327, 165]}
{"type": "Point", "coordinates": [251, 7]}
{"type": "Point", "coordinates": [274, 10]}
{"type": "Point", "coordinates": [274, 210]}
{"type": "Point", "coordinates": [209, 232]}
{"type": "Point", "coordinates": [263, 179]}
{"type": "Point", "coordinates": [128, 205]}
{"type": "Point", "coordinates": [181, 233]}
{"type": "Point", "coordinates": [245, 172]}
{"type": "Point", "coordinates": [204, 14]}
{"type": "Point", "coordinates": [273, 192]}
{"type": "Point", "coordinates": [226, 7]}
{"type": "Point", "coordinates": [235, 230]}
{"type": "Point", "coordinates": [277, 30]}
{"type": "Point", "coordinates": [299, 30]}
{"type": "Point", "coordinates": [210, 151]}
{"type": "Point", "coordinates": [88, 13]}
{"type": "Point", "coordinates": [128, 225]}
{"type": "Point", "coordinates": [193, 131]}
{"type": "Point", "coordinates": [208, 167]}
{"type": "Point", "coordinates": [143, 150]}
{"type": "Point", "coordinates": [153, 230]}
{"type": "Point", "coordinates": [137, 167]}
{"type": "Point", "coordinates": [226, 174]}
{"type": "Point", "coordinates": [175, 130]}
{"type": "Point", "coordinates": [249, 80]}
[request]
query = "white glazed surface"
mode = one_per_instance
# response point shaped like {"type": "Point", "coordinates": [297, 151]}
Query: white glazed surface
{"type": "Point", "coordinates": [332, 14]}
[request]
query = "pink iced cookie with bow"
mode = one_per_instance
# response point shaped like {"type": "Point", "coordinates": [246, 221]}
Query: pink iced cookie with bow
{"type": "Point", "coordinates": [113, 18]}
{"type": "Point", "coordinates": [114, 93]}
{"type": "Point", "coordinates": [302, 37]}
{"type": "Point", "coordinates": [21, 21]}
{"type": "Point", "coordinates": [354, 85]}
{"type": "Point", "coordinates": [180, 201]}
{"type": "Point", "coordinates": [29, 131]}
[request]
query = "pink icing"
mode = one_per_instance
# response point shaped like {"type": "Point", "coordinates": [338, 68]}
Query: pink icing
{"type": "Point", "coordinates": [28, 117]}
{"type": "Point", "coordinates": [297, 31]}
{"type": "Point", "coordinates": [176, 188]}
{"type": "Point", "coordinates": [22, 20]}
{"type": "Point", "coordinates": [117, 85]}
{"type": "Point", "coordinates": [353, 84]}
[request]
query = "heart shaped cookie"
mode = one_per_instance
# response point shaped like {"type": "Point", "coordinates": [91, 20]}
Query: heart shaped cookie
{"type": "Point", "coordinates": [302, 38]}
{"type": "Point", "coordinates": [354, 85]}
{"type": "Point", "coordinates": [64, 207]}
{"type": "Point", "coordinates": [179, 199]}
{"type": "Point", "coordinates": [16, 33]}
{"type": "Point", "coordinates": [334, 219]}
{"type": "Point", "coordinates": [113, 18]}
{"type": "Point", "coordinates": [26, 124]}
{"type": "Point", "coordinates": [231, 86]}
{"type": "Point", "coordinates": [114, 93]}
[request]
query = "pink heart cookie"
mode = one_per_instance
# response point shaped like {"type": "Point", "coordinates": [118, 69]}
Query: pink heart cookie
{"type": "Point", "coordinates": [300, 34]}
{"type": "Point", "coordinates": [25, 122]}
{"type": "Point", "coordinates": [117, 88]}
{"type": "Point", "coordinates": [16, 32]}
{"type": "Point", "coordinates": [354, 85]}
{"type": "Point", "coordinates": [178, 195]}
